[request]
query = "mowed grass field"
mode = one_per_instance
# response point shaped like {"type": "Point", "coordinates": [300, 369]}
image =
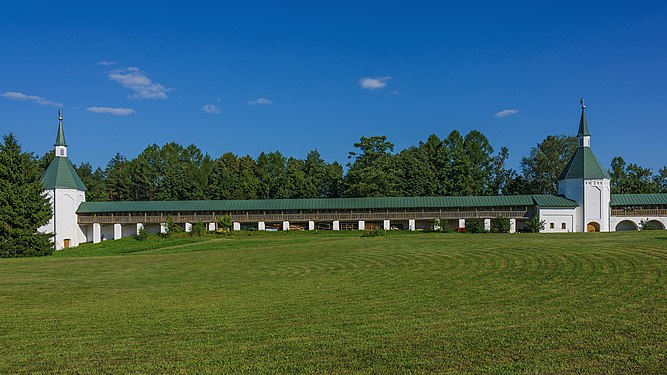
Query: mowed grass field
{"type": "Point", "coordinates": [340, 303]}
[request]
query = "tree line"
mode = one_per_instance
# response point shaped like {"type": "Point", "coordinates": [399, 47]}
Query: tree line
{"type": "Point", "coordinates": [456, 165]}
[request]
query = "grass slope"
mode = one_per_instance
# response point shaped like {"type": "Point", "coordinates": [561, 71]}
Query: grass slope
{"type": "Point", "coordinates": [340, 303]}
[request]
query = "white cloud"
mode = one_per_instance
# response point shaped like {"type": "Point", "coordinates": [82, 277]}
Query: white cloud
{"type": "Point", "coordinates": [136, 80]}
{"type": "Point", "coordinates": [12, 95]}
{"type": "Point", "coordinates": [112, 111]}
{"type": "Point", "coordinates": [211, 109]}
{"type": "Point", "coordinates": [106, 63]}
{"type": "Point", "coordinates": [373, 83]}
{"type": "Point", "coordinates": [506, 113]}
{"type": "Point", "coordinates": [260, 101]}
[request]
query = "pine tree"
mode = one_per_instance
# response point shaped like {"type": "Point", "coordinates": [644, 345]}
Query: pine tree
{"type": "Point", "coordinates": [23, 208]}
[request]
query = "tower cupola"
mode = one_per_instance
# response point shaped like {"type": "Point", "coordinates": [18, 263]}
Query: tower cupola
{"type": "Point", "coordinates": [583, 134]}
{"type": "Point", "coordinates": [60, 145]}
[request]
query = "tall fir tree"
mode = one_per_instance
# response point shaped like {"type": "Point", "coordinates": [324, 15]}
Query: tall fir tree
{"type": "Point", "coordinates": [23, 208]}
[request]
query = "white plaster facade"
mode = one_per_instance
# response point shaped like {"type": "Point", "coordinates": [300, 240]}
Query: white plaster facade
{"type": "Point", "coordinates": [593, 197]}
{"type": "Point", "coordinates": [64, 203]}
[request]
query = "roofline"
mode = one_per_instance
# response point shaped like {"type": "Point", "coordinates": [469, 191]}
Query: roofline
{"type": "Point", "coordinates": [274, 204]}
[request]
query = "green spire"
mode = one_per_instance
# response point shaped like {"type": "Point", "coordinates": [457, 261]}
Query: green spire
{"type": "Point", "coordinates": [60, 138]}
{"type": "Point", "coordinates": [583, 124]}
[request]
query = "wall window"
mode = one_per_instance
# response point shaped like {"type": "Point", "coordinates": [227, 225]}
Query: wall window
{"type": "Point", "coordinates": [62, 152]}
{"type": "Point", "coordinates": [563, 226]}
{"type": "Point", "coordinates": [551, 226]}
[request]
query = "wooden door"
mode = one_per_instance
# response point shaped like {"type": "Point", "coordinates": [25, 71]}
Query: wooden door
{"type": "Point", "coordinates": [67, 242]}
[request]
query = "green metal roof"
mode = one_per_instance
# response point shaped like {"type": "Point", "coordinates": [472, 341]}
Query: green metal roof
{"type": "Point", "coordinates": [553, 201]}
{"type": "Point", "coordinates": [325, 204]}
{"type": "Point", "coordinates": [638, 199]}
{"type": "Point", "coordinates": [61, 174]}
{"type": "Point", "coordinates": [583, 124]}
{"type": "Point", "coordinates": [60, 137]}
{"type": "Point", "coordinates": [583, 164]}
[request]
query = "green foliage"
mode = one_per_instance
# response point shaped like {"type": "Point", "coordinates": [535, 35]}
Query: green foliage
{"type": "Point", "coordinates": [542, 167]}
{"type": "Point", "coordinates": [270, 170]}
{"type": "Point", "coordinates": [535, 225]}
{"type": "Point", "coordinates": [233, 178]}
{"type": "Point", "coordinates": [633, 179]}
{"type": "Point", "coordinates": [225, 222]}
{"type": "Point", "coordinates": [198, 229]}
{"type": "Point", "coordinates": [456, 165]}
{"type": "Point", "coordinates": [142, 235]}
{"type": "Point", "coordinates": [500, 225]}
{"type": "Point", "coordinates": [94, 181]}
{"type": "Point", "coordinates": [377, 232]}
{"type": "Point", "coordinates": [475, 226]}
{"type": "Point", "coordinates": [23, 209]}
{"type": "Point", "coordinates": [479, 158]}
{"type": "Point", "coordinates": [44, 162]}
{"type": "Point", "coordinates": [117, 179]}
{"type": "Point", "coordinates": [661, 179]}
{"type": "Point", "coordinates": [373, 171]}
{"type": "Point", "coordinates": [646, 224]}
{"type": "Point", "coordinates": [172, 228]}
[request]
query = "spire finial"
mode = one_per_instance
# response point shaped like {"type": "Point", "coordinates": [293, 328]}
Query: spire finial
{"type": "Point", "coordinates": [583, 106]}
{"type": "Point", "coordinates": [60, 117]}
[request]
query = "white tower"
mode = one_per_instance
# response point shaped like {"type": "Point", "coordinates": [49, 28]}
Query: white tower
{"type": "Point", "coordinates": [586, 182]}
{"type": "Point", "coordinates": [66, 191]}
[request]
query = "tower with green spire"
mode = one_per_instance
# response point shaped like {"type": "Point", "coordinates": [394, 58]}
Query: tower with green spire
{"type": "Point", "coordinates": [585, 181]}
{"type": "Point", "coordinates": [66, 191]}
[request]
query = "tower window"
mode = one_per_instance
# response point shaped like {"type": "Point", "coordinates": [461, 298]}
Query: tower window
{"type": "Point", "coordinates": [62, 152]}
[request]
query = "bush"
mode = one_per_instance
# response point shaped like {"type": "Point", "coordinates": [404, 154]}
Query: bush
{"type": "Point", "coordinates": [374, 233]}
{"type": "Point", "coordinates": [142, 235]}
{"type": "Point", "coordinates": [172, 228]}
{"type": "Point", "coordinates": [440, 226]}
{"type": "Point", "coordinates": [475, 226]}
{"type": "Point", "coordinates": [535, 225]}
{"type": "Point", "coordinates": [647, 225]}
{"type": "Point", "coordinates": [198, 229]}
{"type": "Point", "coordinates": [500, 225]}
{"type": "Point", "coordinates": [225, 223]}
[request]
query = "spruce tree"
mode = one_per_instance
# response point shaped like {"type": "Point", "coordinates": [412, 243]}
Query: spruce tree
{"type": "Point", "coordinates": [23, 208]}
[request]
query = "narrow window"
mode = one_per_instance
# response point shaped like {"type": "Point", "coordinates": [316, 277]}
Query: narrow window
{"type": "Point", "coordinates": [551, 225]}
{"type": "Point", "coordinates": [563, 226]}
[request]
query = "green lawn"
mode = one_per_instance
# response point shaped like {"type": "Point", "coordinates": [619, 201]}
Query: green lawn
{"type": "Point", "coordinates": [339, 303]}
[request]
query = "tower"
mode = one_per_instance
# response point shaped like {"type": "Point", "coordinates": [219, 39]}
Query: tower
{"type": "Point", "coordinates": [66, 192]}
{"type": "Point", "coordinates": [585, 181]}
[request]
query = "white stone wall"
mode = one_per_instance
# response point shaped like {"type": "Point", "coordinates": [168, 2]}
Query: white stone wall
{"type": "Point", "coordinates": [597, 196]}
{"type": "Point", "coordinates": [574, 189]}
{"type": "Point", "coordinates": [66, 202]}
{"type": "Point", "coordinates": [593, 197]}
{"type": "Point", "coordinates": [556, 217]}
{"type": "Point", "coordinates": [615, 220]}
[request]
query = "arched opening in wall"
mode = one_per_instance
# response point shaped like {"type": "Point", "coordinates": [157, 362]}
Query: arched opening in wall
{"type": "Point", "coordinates": [592, 227]}
{"type": "Point", "coordinates": [626, 225]}
{"type": "Point", "coordinates": [655, 224]}
{"type": "Point", "coordinates": [66, 243]}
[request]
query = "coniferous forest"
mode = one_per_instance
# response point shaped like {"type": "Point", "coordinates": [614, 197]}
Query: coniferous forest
{"type": "Point", "coordinates": [456, 165]}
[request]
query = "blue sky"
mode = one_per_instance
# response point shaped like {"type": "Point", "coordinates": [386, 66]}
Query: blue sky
{"type": "Point", "coordinates": [294, 76]}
